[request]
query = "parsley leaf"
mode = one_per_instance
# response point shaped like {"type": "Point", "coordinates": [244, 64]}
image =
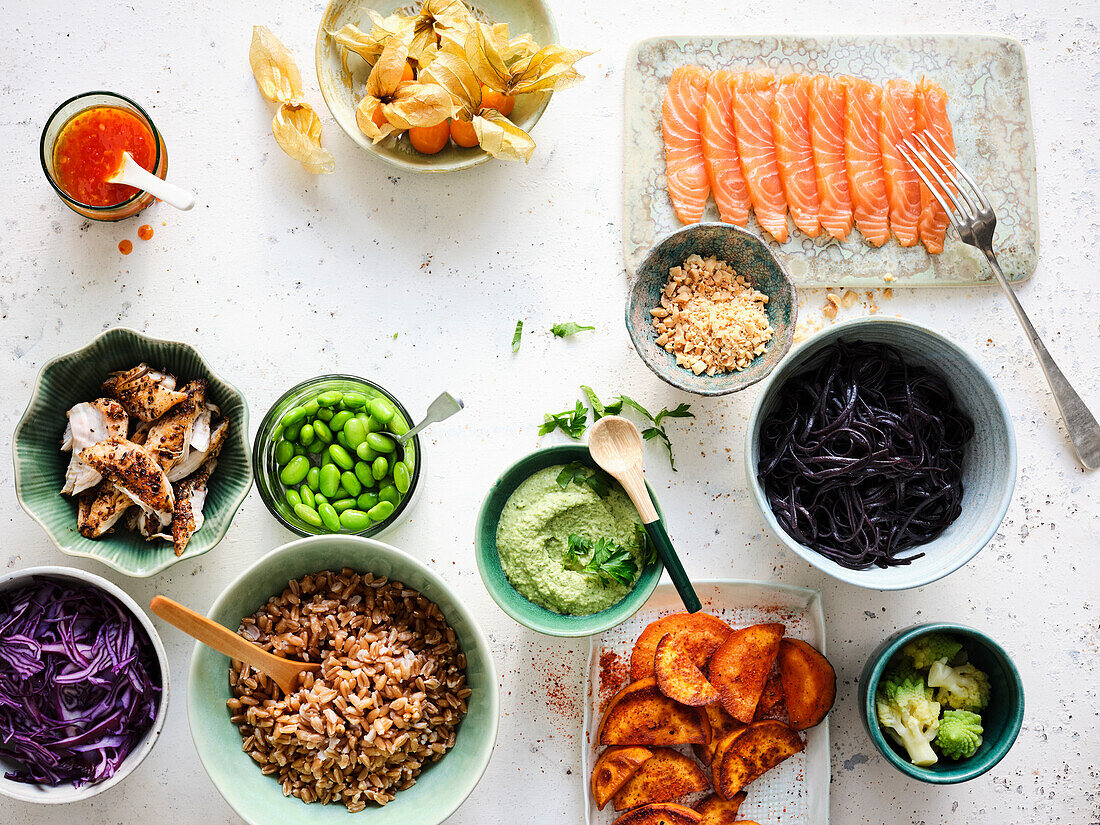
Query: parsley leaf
{"type": "Point", "coordinates": [598, 409]}
{"type": "Point", "coordinates": [683, 411]}
{"type": "Point", "coordinates": [563, 329]}
{"type": "Point", "coordinates": [608, 560]}
{"type": "Point", "coordinates": [516, 336]}
{"type": "Point", "coordinates": [577, 473]}
{"type": "Point", "coordinates": [571, 422]}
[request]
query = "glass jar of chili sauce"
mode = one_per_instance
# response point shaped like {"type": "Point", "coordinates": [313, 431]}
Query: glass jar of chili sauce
{"type": "Point", "coordinates": [82, 146]}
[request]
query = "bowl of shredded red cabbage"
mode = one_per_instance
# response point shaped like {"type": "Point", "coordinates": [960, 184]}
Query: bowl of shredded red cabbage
{"type": "Point", "coordinates": [83, 688]}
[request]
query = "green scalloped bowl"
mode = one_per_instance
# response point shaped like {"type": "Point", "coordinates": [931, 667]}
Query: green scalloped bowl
{"type": "Point", "coordinates": [40, 464]}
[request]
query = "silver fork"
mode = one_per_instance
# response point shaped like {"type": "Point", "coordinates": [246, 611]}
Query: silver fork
{"type": "Point", "coordinates": [974, 221]}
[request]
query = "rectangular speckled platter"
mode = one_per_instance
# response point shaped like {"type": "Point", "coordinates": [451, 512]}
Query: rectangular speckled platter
{"type": "Point", "coordinates": [796, 792]}
{"type": "Point", "coordinates": [986, 80]}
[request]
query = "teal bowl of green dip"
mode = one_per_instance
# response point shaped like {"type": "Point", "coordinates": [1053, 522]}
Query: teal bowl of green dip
{"type": "Point", "coordinates": [525, 611]}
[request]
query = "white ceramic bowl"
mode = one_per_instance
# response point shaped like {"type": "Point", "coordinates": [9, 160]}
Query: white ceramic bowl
{"type": "Point", "coordinates": [54, 795]}
{"type": "Point", "coordinates": [989, 469]}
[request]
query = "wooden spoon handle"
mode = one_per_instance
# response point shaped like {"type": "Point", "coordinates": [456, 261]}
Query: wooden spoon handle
{"type": "Point", "coordinates": [659, 536]}
{"type": "Point", "coordinates": [212, 634]}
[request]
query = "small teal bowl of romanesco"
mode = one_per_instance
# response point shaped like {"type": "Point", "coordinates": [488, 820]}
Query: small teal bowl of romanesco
{"type": "Point", "coordinates": [943, 703]}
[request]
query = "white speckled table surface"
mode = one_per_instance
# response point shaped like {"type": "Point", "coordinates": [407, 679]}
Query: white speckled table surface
{"type": "Point", "coordinates": [277, 276]}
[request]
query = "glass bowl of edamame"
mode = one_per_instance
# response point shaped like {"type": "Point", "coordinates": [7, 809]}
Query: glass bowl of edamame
{"type": "Point", "coordinates": [325, 459]}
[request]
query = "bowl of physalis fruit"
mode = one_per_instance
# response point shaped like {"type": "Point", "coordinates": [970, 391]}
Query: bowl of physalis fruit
{"type": "Point", "coordinates": [441, 85]}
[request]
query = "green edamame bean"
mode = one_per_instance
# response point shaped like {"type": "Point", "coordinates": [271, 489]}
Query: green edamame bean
{"type": "Point", "coordinates": [380, 511]}
{"type": "Point", "coordinates": [354, 400]}
{"type": "Point", "coordinates": [321, 430]}
{"type": "Point", "coordinates": [320, 498]}
{"type": "Point", "coordinates": [387, 492]}
{"type": "Point", "coordinates": [381, 443]}
{"type": "Point", "coordinates": [292, 499]}
{"type": "Point", "coordinates": [354, 520]}
{"type": "Point", "coordinates": [366, 501]}
{"type": "Point", "coordinates": [326, 459]}
{"type": "Point", "coordinates": [306, 495]}
{"type": "Point", "coordinates": [374, 425]}
{"type": "Point", "coordinates": [341, 457]}
{"type": "Point", "coordinates": [401, 477]}
{"type": "Point", "coordinates": [329, 516]}
{"type": "Point", "coordinates": [330, 398]}
{"type": "Point", "coordinates": [305, 436]}
{"type": "Point", "coordinates": [341, 439]}
{"type": "Point", "coordinates": [308, 515]}
{"type": "Point", "coordinates": [291, 433]}
{"type": "Point", "coordinates": [284, 451]}
{"type": "Point", "coordinates": [340, 419]}
{"type": "Point", "coordinates": [293, 416]}
{"type": "Point", "coordinates": [298, 449]}
{"type": "Point", "coordinates": [311, 408]}
{"type": "Point", "coordinates": [354, 433]}
{"type": "Point", "coordinates": [342, 504]}
{"type": "Point", "coordinates": [325, 414]}
{"type": "Point", "coordinates": [313, 479]}
{"type": "Point", "coordinates": [381, 409]}
{"type": "Point", "coordinates": [350, 482]}
{"type": "Point", "coordinates": [363, 473]}
{"type": "Point", "coordinates": [380, 468]}
{"type": "Point", "coordinates": [277, 433]}
{"type": "Point", "coordinates": [330, 480]}
{"type": "Point", "coordinates": [295, 470]}
{"type": "Point", "coordinates": [316, 446]}
{"type": "Point", "coordinates": [398, 427]}
{"type": "Point", "coordinates": [365, 451]}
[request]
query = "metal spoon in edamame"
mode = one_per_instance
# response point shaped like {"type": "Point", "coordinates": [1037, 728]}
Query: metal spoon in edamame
{"type": "Point", "coordinates": [443, 407]}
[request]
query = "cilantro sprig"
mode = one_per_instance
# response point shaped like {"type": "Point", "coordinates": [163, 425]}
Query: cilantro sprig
{"type": "Point", "coordinates": [606, 559]}
{"type": "Point", "coordinates": [571, 422]}
{"type": "Point", "coordinates": [564, 329]}
{"type": "Point", "coordinates": [580, 474]}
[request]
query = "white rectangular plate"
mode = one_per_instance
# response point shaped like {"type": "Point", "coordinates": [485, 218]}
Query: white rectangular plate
{"type": "Point", "coordinates": [986, 81]}
{"type": "Point", "coordinates": [794, 793]}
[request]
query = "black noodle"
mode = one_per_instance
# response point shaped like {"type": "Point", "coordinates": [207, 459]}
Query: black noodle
{"type": "Point", "coordinates": [861, 457]}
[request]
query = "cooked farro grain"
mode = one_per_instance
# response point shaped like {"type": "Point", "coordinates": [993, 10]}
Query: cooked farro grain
{"type": "Point", "coordinates": [711, 318]}
{"type": "Point", "coordinates": [388, 699]}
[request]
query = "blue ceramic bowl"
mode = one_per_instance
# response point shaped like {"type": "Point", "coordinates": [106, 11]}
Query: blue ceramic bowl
{"type": "Point", "coordinates": [1001, 721]}
{"type": "Point", "coordinates": [510, 600]}
{"type": "Point", "coordinates": [749, 256]}
{"type": "Point", "coordinates": [989, 468]}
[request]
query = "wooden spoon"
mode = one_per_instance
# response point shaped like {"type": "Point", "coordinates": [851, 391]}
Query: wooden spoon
{"type": "Point", "coordinates": [616, 445]}
{"type": "Point", "coordinates": [285, 673]}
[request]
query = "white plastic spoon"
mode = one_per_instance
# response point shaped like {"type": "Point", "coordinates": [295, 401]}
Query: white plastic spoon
{"type": "Point", "coordinates": [131, 173]}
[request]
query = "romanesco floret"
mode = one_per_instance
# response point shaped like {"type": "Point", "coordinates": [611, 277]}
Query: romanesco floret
{"type": "Point", "coordinates": [960, 734]}
{"type": "Point", "coordinates": [963, 687]}
{"type": "Point", "coordinates": [926, 649]}
{"type": "Point", "coordinates": [906, 709]}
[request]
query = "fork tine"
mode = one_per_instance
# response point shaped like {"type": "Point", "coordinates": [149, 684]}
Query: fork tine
{"type": "Point", "coordinates": [933, 181]}
{"type": "Point", "coordinates": [971, 208]}
{"type": "Point", "coordinates": [962, 171]}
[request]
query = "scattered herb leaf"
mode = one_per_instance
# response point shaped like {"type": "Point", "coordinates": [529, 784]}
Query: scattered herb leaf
{"type": "Point", "coordinates": [571, 422]}
{"type": "Point", "coordinates": [566, 328]}
{"type": "Point", "coordinates": [516, 336]}
{"type": "Point", "coordinates": [577, 473]}
{"type": "Point", "coordinates": [608, 560]}
{"type": "Point", "coordinates": [598, 409]}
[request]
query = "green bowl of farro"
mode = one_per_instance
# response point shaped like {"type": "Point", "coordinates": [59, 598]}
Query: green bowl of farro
{"type": "Point", "coordinates": [399, 724]}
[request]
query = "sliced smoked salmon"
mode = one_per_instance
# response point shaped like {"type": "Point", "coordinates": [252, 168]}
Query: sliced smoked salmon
{"type": "Point", "coordinates": [827, 113]}
{"type": "Point", "coordinates": [752, 121]}
{"type": "Point", "coordinates": [863, 159]}
{"type": "Point", "coordinates": [931, 105]}
{"type": "Point", "coordinates": [794, 151]}
{"type": "Point", "coordinates": [720, 151]}
{"type": "Point", "coordinates": [688, 185]}
{"type": "Point", "coordinates": [896, 121]}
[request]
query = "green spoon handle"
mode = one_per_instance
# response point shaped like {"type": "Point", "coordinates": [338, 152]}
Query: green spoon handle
{"type": "Point", "coordinates": [659, 536]}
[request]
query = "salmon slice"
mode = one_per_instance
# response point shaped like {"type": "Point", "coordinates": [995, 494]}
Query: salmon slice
{"type": "Point", "coordinates": [688, 185]}
{"type": "Point", "coordinates": [863, 159]}
{"type": "Point", "coordinates": [752, 121]}
{"type": "Point", "coordinates": [720, 151]}
{"type": "Point", "coordinates": [827, 113]}
{"type": "Point", "coordinates": [896, 121]}
{"type": "Point", "coordinates": [794, 151]}
{"type": "Point", "coordinates": [932, 116]}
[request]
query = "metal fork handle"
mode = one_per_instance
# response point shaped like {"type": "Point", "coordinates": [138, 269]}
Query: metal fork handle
{"type": "Point", "coordinates": [1081, 424]}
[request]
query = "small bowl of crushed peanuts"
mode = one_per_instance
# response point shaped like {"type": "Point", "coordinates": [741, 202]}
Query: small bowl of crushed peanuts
{"type": "Point", "coordinates": [711, 310]}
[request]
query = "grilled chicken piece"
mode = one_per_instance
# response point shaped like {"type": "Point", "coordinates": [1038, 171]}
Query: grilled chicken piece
{"type": "Point", "coordinates": [145, 393]}
{"type": "Point", "coordinates": [205, 444]}
{"type": "Point", "coordinates": [100, 508]}
{"type": "Point", "coordinates": [89, 423]}
{"type": "Point", "coordinates": [187, 517]}
{"type": "Point", "coordinates": [134, 470]}
{"type": "Point", "coordinates": [170, 436]}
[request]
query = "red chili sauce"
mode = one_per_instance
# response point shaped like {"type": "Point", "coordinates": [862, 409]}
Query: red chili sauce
{"type": "Point", "coordinates": [89, 150]}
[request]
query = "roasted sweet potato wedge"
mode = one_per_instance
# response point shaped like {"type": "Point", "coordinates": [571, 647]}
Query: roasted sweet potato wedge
{"type": "Point", "coordinates": [665, 776]}
{"type": "Point", "coordinates": [661, 813]}
{"type": "Point", "coordinates": [640, 714]}
{"type": "Point", "coordinates": [772, 704]}
{"type": "Point", "coordinates": [719, 811]}
{"type": "Point", "coordinates": [809, 683]}
{"type": "Point", "coordinates": [721, 726]}
{"type": "Point", "coordinates": [740, 666]}
{"type": "Point", "coordinates": [678, 677]}
{"type": "Point", "coordinates": [700, 634]}
{"type": "Point", "coordinates": [751, 753]}
{"type": "Point", "coordinates": [612, 770]}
